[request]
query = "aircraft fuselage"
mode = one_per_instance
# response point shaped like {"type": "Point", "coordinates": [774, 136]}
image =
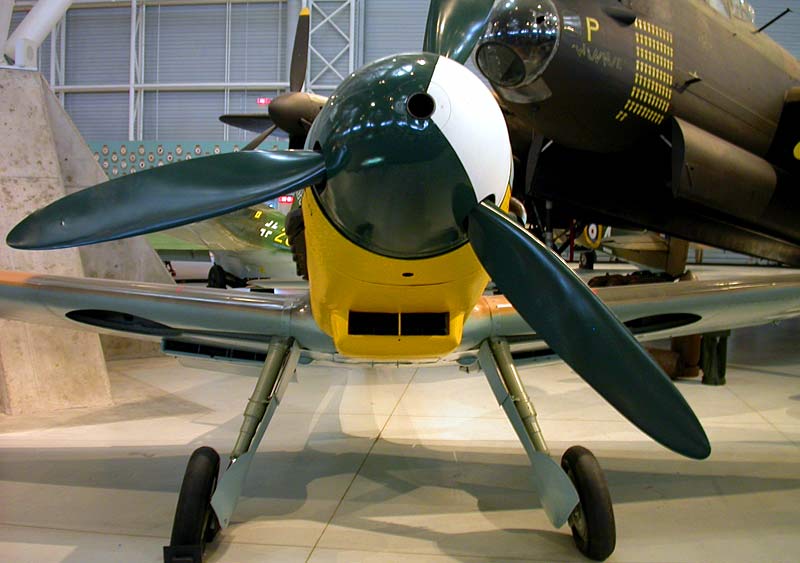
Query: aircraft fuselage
{"type": "Point", "coordinates": [391, 272]}
{"type": "Point", "coordinates": [685, 120]}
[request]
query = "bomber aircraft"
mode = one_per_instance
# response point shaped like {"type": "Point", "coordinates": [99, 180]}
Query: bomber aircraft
{"type": "Point", "coordinates": [407, 172]}
{"type": "Point", "coordinates": [679, 117]}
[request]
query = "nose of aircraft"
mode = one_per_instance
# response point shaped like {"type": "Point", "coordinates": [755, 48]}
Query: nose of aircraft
{"type": "Point", "coordinates": [437, 128]}
{"type": "Point", "coordinates": [519, 42]}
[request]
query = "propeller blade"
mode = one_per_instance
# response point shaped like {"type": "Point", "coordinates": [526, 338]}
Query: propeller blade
{"type": "Point", "coordinates": [165, 197]}
{"type": "Point", "coordinates": [583, 331]}
{"type": "Point", "coordinates": [297, 71]}
{"type": "Point", "coordinates": [256, 142]}
{"type": "Point", "coordinates": [253, 122]}
{"type": "Point", "coordinates": [454, 27]}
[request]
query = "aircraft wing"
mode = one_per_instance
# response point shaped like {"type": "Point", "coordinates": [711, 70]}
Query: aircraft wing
{"type": "Point", "coordinates": [237, 325]}
{"type": "Point", "coordinates": [222, 320]}
{"type": "Point", "coordinates": [642, 242]}
{"type": "Point", "coordinates": [656, 311]}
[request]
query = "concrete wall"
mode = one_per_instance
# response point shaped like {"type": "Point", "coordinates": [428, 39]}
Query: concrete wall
{"type": "Point", "coordinates": [41, 368]}
{"type": "Point", "coordinates": [42, 158]}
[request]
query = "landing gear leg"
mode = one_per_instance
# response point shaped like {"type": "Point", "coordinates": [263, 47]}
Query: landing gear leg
{"type": "Point", "coordinates": [205, 505]}
{"type": "Point", "coordinates": [575, 492]}
{"type": "Point", "coordinates": [216, 277]}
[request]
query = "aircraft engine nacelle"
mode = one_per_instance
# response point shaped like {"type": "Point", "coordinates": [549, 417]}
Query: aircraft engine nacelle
{"type": "Point", "coordinates": [715, 173]}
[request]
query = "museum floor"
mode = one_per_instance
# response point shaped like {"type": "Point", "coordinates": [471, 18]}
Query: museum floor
{"type": "Point", "coordinates": [406, 465]}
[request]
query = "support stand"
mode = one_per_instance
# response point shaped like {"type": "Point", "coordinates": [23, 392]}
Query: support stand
{"type": "Point", "coordinates": [714, 357]}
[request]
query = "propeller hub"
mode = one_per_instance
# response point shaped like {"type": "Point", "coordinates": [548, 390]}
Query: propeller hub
{"type": "Point", "coordinates": [405, 143]}
{"type": "Point", "coordinates": [519, 42]}
{"type": "Point", "coordinates": [289, 112]}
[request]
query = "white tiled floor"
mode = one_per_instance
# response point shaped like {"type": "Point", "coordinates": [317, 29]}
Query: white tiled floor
{"type": "Point", "coordinates": [406, 465]}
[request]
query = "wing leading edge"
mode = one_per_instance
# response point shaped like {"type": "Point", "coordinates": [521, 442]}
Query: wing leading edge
{"type": "Point", "coordinates": [224, 323]}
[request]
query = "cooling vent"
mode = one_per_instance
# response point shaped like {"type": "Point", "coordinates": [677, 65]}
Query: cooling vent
{"type": "Point", "coordinates": [403, 324]}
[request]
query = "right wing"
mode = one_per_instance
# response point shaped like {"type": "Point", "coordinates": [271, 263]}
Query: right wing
{"type": "Point", "coordinates": [204, 322]}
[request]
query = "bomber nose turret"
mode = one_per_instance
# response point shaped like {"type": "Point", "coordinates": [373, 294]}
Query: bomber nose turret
{"type": "Point", "coordinates": [519, 42]}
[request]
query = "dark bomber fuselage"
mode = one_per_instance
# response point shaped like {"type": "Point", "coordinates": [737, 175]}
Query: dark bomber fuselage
{"type": "Point", "coordinates": [612, 79]}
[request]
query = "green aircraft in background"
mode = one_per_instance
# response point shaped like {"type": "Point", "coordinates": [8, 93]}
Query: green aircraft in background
{"type": "Point", "coordinates": [244, 245]}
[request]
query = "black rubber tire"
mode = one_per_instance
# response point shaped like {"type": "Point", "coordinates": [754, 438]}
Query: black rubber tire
{"type": "Point", "coordinates": [216, 277]}
{"type": "Point", "coordinates": [195, 521]}
{"type": "Point", "coordinates": [596, 538]}
{"type": "Point", "coordinates": [587, 260]}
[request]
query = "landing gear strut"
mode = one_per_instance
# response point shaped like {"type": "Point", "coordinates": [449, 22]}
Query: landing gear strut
{"type": "Point", "coordinates": [205, 505]}
{"type": "Point", "coordinates": [576, 492]}
{"type": "Point", "coordinates": [220, 279]}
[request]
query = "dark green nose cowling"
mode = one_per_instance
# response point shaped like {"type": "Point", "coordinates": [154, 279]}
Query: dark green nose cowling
{"type": "Point", "coordinates": [393, 178]}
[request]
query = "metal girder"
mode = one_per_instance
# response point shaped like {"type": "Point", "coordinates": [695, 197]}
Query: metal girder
{"type": "Point", "coordinates": [331, 45]}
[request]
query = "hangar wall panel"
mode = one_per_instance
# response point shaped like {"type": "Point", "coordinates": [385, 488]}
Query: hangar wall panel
{"type": "Point", "coordinates": [393, 27]}
{"type": "Point", "coordinates": [257, 48]}
{"type": "Point", "coordinates": [98, 46]}
{"type": "Point", "coordinates": [786, 31]}
{"type": "Point", "coordinates": [102, 115]}
{"type": "Point", "coordinates": [185, 44]}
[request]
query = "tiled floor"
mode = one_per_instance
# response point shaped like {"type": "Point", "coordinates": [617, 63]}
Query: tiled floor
{"type": "Point", "coordinates": [406, 465]}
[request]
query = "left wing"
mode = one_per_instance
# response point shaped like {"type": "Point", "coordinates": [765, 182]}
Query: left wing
{"type": "Point", "coordinates": [656, 311]}
{"type": "Point", "coordinates": [237, 325]}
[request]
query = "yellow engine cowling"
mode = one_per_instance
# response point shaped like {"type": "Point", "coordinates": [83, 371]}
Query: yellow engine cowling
{"type": "Point", "coordinates": [418, 306]}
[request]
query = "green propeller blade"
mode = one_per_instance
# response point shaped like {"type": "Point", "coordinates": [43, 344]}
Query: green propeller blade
{"type": "Point", "coordinates": [165, 197]}
{"type": "Point", "coordinates": [297, 71]}
{"type": "Point", "coordinates": [253, 122]}
{"type": "Point", "coordinates": [454, 27]}
{"type": "Point", "coordinates": [583, 332]}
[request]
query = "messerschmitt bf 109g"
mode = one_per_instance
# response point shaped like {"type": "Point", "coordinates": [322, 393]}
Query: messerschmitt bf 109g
{"type": "Point", "coordinates": [407, 173]}
{"type": "Point", "coordinates": [679, 117]}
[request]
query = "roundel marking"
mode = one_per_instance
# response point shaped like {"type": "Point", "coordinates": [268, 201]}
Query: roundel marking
{"type": "Point", "coordinates": [593, 233]}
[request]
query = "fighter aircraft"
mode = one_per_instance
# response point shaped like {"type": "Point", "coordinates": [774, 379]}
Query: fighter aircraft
{"type": "Point", "coordinates": [679, 117]}
{"type": "Point", "coordinates": [291, 113]}
{"type": "Point", "coordinates": [407, 173]}
{"type": "Point", "coordinates": [249, 244]}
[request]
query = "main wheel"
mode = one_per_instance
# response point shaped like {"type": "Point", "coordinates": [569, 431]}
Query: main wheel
{"type": "Point", "coordinates": [195, 522]}
{"type": "Point", "coordinates": [587, 260]}
{"type": "Point", "coordinates": [216, 277]}
{"type": "Point", "coordinates": [592, 521]}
